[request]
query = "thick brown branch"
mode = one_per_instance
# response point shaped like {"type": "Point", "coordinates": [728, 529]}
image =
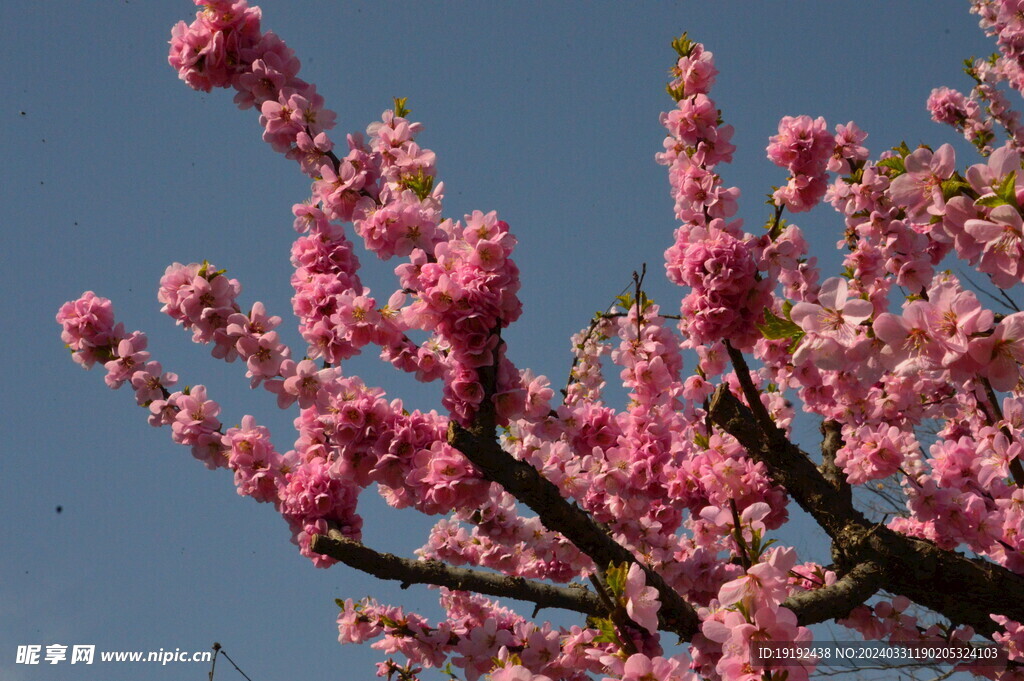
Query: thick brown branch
{"type": "Point", "coordinates": [526, 484]}
{"type": "Point", "coordinates": [965, 590]}
{"type": "Point", "coordinates": [391, 567]}
{"type": "Point", "coordinates": [479, 444]}
{"type": "Point", "coordinates": [831, 443]}
{"type": "Point", "coordinates": [836, 601]}
{"type": "Point", "coordinates": [787, 465]}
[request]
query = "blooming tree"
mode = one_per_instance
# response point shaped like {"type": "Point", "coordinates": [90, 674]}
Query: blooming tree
{"type": "Point", "coordinates": [653, 520]}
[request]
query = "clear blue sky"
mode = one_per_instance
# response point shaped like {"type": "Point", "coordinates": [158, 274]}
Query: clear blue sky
{"type": "Point", "coordinates": [114, 169]}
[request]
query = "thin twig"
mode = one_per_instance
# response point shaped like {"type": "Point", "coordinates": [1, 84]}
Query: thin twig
{"type": "Point", "coordinates": [216, 652]}
{"type": "Point", "coordinates": [741, 545]}
{"type": "Point", "coordinates": [638, 281]}
{"type": "Point", "coordinates": [598, 318]}
{"type": "Point", "coordinates": [615, 614]}
{"type": "Point", "coordinates": [1016, 470]}
{"type": "Point", "coordinates": [1009, 301]}
{"type": "Point", "coordinates": [234, 665]}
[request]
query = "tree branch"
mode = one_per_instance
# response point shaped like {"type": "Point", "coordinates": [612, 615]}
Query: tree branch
{"type": "Point", "coordinates": [837, 600]}
{"type": "Point", "coordinates": [526, 484]}
{"type": "Point", "coordinates": [915, 568]}
{"type": "Point", "coordinates": [391, 567]}
{"type": "Point", "coordinates": [479, 444]}
{"type": "Point", "coordinates": [832, 442]}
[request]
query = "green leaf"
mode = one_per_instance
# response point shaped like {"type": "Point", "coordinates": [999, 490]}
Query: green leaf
{"type": "Point", "coordinates": [982, 138]}
{"type": "Point", "coordinates": [615, 578]}
{"type": "Point", "coordinates": [676, 93]}
{"type": "Point", "coordinates": [778, 227]}
{"type": "Point", "coordinates": [400, 109]}
{"type": "Point", "coordinates": [893, 163]}
{"type": "Point", "coordinates": [990, 201]}
{"type": "Point", "coordinates": [775, 328]}
{"type": "Point", "coordinates": [683, 45]}
{"type": "Point", "coordinates": [607, 629]}
{"type": "Point", "coordinates": [420, 183]}
{"type": "Point", "coordinates": [512, 660]}
{"type": "Point", "coordinates": [856, 176]}
{"type": "Point", "coordinates": [1007, 190]}
{"type": "Point", "coordinates": [701, 440]}
{"type": "Point", "coordinates": [952, 187]}
{"type": "Point", "coordinates": [206, 273]}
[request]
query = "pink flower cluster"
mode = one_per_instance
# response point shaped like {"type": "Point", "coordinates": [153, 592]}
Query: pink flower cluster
{"type": "Point", "coordinates": [365, 439]}
{"type": "Point", "coordinates": [500, 539]}
{"type": "Point", "coordinates": [1002, 18]}
{"type": "Point", "coordinates": [804, 147]}
{"type": "Point", "coordinates": [757, 616]}
{"type": "Point", "coordinates": [709, 254]}
{"type": "Point", "coordinates": [893, 620]}
{"type": "Point", "coordinates": [478, 636]}
{"type": "Point", "coordinates": [466, 294]}
{"type": "Point", "coordinates": [224, 47]}
{"type": "Point", "coordinates": [202, 298]}
{"type": "Point", "coordinates": [965, 114]}
{"type": "Point", "coordinates": [875, 452]}
{"type": "Point", "coordinates": [89, 331]}
{"type": "Point", "coordinates": [312, 498]}
{"type": "Point", "coordinates": [918, 191]}
{"type": "Point", "coordinates": [1012, 639]}
{"type": "Point", "coordinates": [386, 188]}
{"type": "Point", "coordinates": [966, 498]}
{"type": "Point", "coordinates": [729, 295]}
{"type": "Point", "coordinates": [697, 141]}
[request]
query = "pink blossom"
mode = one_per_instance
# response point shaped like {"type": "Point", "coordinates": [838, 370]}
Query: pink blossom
{"type": "Point", "coordinates": [87, 327]}
{"type": "Point", "coordinates": [1002, 352]}
{"type": "Point", "coordinates": [1002, 237]}
{"type": "Point", "coordinates": [642, 602]}
{"type": "Point", "coordinates": [151, 382]}
{"type": "Point", "coordinates": [834, 314]}
{"type": "Point", "coordinates": [695, 73]}
{"type": "Point", "coordinates": [517, 673]}
{"type": "Point", "coordinates": [909, 339]}
{"type": "Point", "coordinates": [803, 145]}
{"type": "Point", "coordinates": [640, 667]}
{"type": "Point", "coordinates": [302, 382]}
{"type": "Point", "coordinates": [948, 106]}
{"type": "Point", "coordinates": [130, 356]}
{"type": "Point", "coordinates": [919, 189]}
{"type": "Point", "coordinates": [848, 147]}
{"type": "Point", "coordinates": [196, 415]}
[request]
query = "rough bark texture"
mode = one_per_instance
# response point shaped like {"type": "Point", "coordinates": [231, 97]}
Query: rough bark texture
{"type": "Point", "coordinates": [479, 444]}
{"type": "Point", "coordinates": [527, 485]}
{"type": "Point", "coordinates": [836, 601]}
{"type": "Point", "coordinates": [391, 567]}
{"type": "Point", "coordinates": [964, 590]}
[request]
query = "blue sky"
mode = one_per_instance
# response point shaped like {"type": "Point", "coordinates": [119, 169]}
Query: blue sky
{"type": "Point", "coordinates": [546, 112]}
